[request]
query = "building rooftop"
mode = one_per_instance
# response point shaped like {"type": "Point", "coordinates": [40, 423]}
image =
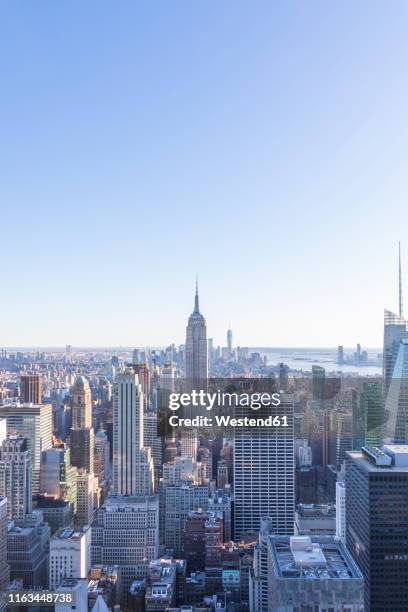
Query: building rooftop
{"type": "Point", "coordinates": [128, 503]}
{"type": "Point", "coordinates": [391, 458]}
{"type": "Point", "coordinates": [304, 557]}
{"type": "Point", "coordinates": [51, 502]}
{"type": "Point", "coordinates": [66, 533]}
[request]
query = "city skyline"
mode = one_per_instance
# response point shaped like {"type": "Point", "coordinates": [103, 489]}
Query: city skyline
{"type": "Point", "coordinates": [203, 345]}
{"type": "Point", "coordinates": [192, 135]}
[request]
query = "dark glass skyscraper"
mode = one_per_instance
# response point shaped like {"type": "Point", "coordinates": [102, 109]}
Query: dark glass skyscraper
{"type": "Point", "coordinates": [377, 524]}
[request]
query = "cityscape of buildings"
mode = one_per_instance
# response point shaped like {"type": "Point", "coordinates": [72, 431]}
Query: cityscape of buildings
{"type": "Point", "coordinates": [96, 501]}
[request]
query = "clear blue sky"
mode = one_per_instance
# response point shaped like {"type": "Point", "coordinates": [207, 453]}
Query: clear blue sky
{"type": "Point", "coordinates": [263, 145]}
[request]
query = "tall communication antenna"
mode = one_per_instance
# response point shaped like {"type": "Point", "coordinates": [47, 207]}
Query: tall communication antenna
{"type": "Point", "coordinates": [399, 278]}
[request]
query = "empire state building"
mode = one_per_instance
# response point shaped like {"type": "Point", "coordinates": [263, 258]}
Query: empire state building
{"type": "Point", "coordinates": [196, 349]}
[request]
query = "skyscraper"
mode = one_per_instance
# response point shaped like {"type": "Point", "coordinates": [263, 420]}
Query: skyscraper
{"type": "Point", "coordinates": [229, 341]}
{"type": "Point", "coordinates": [15, 476]}
{"type": "Point", "coordinates": [311, 573]}
{"type": "Point", "coordinates": [395, 330]}
{"type": "Point", "coordinates": [101, 456]}
{"type": "Point", "coordinates": [34, 423]}
{"type": "Point", "coordinates": [30, 388]}
{"type": "Point", "coordinates": [372, 409]}
{"type": "Point", "coordinates": [377, 526]}
{"type": "Point", "coordinates": [82, 434]}
{"type": "Point", "coordinates": [86, 484]}
{"type": "Point", "coordinates": [395, 429]}
{"type": "Point", "coordinates": [133, 469]}
{"type": "Point", "coordinates": [196, 348]}
{"type": "Point", "coordinates": [188, 442]}
{"type": "Point", "coordinates": [4, 567]}
{"type": "Point", "coordinates": [264, 473]}
{"type": "Point", "coordinates": [58, 478]}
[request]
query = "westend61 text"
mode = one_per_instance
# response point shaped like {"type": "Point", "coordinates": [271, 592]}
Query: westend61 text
{"type": "Point", "coordinates": [228, 421]}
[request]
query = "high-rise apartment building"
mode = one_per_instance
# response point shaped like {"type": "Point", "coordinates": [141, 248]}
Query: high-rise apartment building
{"type": "Point", "coordinates": [264, 473]}
{"type": "Point", "coordinates": [82, 434]}
{"type": "Point", "coordinates": [377, 525]}
{"type": "Point", "coordinates": [133, 469]}
{"type": "Point", "coordinates": [196, 361]}
{"type": "Point", "coordinates": [34, 423]}
{"type": "Point", "coordinates": [30, 389]}
{"type": "Point", "coordinates": [15, 476]}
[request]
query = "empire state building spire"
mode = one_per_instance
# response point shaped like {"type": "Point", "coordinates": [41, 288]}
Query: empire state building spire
{"type": "Point", "coordinates": [196, 304]}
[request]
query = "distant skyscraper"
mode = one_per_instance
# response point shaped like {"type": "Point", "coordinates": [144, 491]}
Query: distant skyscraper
{"type": "Point", "coordinates": [196, 348]}
{"type": "Point", "coordinates": [319, 385]}
{"type": "Point", "coordinates": [82, 434]}
{"type": "Point", "coordinates": [229, 341]}
{"type": "Point", "coordinates": [152, 440]}
{"type": "Point", "coordinates": [188, 442]}
{"type": "Point", "coordinates": [68, 356]}
{"type": "Point", "coordinates": [395, 429]}
{"type": "Point", "coordinates": [372, 409]}
{"type": "Point", "coordinates": [34, 423]}
{"type": "Point", "coordinates": [342, 436]}
{"type": "Point", "coordinates": [58, 478]}
{"type": "Point", "coordinates": [264, 473]}
{"type": "Point", "coordinates": [86, 485]}
{"type": "Point", "coordinates": [15, 476]}
{"type": "Point", "coordinates": [133, 468]}
{"type": "Point", "coordinates": [340, 355]}
{"type": "Point", "coordinates": [395, 330]}
{"type": "Point", "coordinates": [101, 456]}
{"type": "Point", "coordinates": [377, 526]}
{"type": "Point", "coordinates": [30, 389]}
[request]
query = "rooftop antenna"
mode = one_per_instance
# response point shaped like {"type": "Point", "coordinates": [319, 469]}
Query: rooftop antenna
{"type": "Point", "coordinates": [196, 306]}
{"type": "Point", "coordinates": [399, 278]}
